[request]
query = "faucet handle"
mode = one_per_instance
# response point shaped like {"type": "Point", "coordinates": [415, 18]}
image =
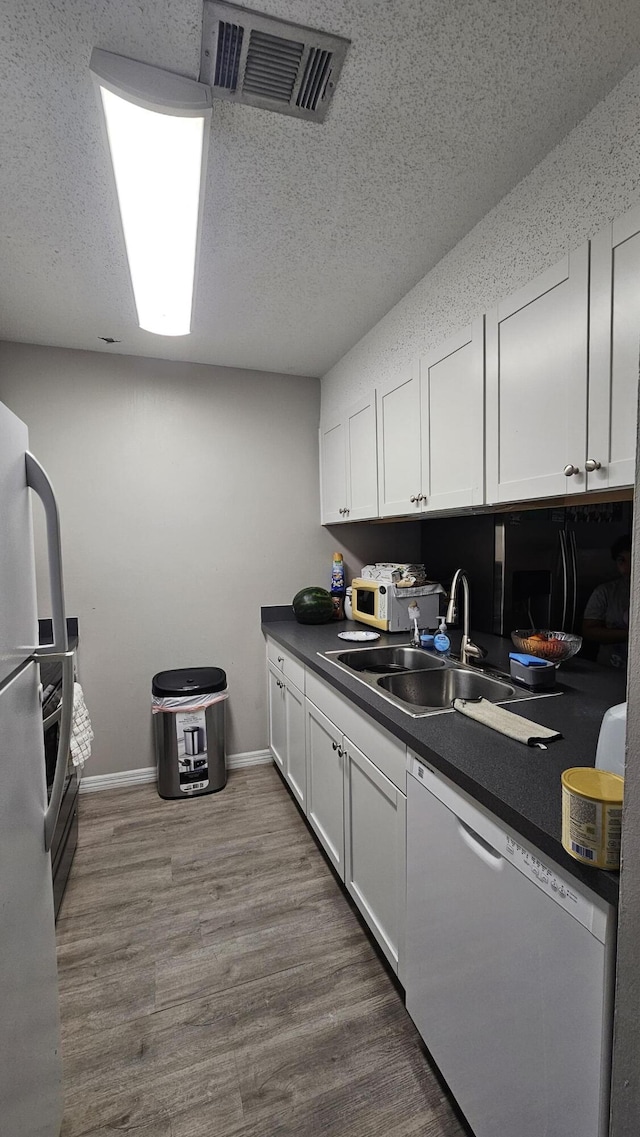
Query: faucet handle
{"type": "Point", "coordinates": [472, 651]}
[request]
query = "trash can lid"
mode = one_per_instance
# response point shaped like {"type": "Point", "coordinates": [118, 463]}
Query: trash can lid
{"type": "Point", "coordinates": [189, 681]}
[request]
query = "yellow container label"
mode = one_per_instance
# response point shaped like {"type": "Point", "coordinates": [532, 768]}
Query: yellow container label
{"type": "Point", "coordinates": [592, 825]}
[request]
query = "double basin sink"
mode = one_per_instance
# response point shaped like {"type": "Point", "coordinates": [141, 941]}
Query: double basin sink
{"type": "Point", "coordinates": [421, 683]}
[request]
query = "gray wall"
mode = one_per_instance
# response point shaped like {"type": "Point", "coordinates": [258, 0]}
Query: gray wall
{"type": "Point", "coordinates": [590, 178]}
{"type": "Point", "coordinates": [189, 497]}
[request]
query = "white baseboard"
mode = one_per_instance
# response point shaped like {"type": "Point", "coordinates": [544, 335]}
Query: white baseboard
{"type": "Point", "coordinates": [90, 783]}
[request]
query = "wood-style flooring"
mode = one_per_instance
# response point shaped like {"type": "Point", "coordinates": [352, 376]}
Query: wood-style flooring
{"type": "Point", "coordinates": [215, 981]}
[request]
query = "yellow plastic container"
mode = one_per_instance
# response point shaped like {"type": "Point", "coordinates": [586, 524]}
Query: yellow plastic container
{"type": "Point", "coordinates": [592, 816]}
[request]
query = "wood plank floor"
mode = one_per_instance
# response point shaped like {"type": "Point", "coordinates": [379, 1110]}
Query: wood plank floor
{"type": "Point", "coordinates": [216, 982]}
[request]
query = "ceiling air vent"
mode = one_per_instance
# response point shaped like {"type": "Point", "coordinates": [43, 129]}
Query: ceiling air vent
{"type": "Point", "coordinates": [264, 62]}
{"type": "Point", "coordinates": [228, 50]}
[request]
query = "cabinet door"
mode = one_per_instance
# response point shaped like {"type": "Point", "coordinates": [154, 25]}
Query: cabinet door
{"type": "Point", "coordinates": [295, 767]}
{"type": "Point", "coordinates": [375, 861]}
{"type": "Point", "coordinates": [614, 346]}
{"type": "Point", "coordinates": [361, 460]}
{"type": "Point", "coordinates": [325, 784]}
{"type": "Point", "coordinates": [452, 412]}
{"type": "Point", "coordinates": [277, 727]}
{"type": "Point", "coordinates": [399, 462]}
{"type": "Point", "coordinates": [537, 385]}
{"type": "Point", "coordinates": [333, 479]}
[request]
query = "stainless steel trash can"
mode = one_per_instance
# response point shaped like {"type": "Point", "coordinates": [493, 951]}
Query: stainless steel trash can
{"type": "Point", "coordinates": [188, 712]}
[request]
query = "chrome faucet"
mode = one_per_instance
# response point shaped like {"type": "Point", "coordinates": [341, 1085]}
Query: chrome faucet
{"type": "Point", "coordinates": [468, 650]}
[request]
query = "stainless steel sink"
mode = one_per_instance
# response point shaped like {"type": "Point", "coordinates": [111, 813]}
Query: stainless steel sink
{"type": "Point", "coordinates": [385, 660]}
{"type": "Point", "coordinates": [436, 689]}
{"type": "Point", "coordinates": [420, 683]}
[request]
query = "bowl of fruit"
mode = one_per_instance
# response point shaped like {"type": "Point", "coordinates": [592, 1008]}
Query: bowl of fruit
{"type": "Point", "coordinates": [555, 647]}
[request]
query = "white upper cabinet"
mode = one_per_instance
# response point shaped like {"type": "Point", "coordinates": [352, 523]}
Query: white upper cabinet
{"type": "Point", "coordinates": [399, 446]}
{"type": "Point", "coordinates": [361, 459]}
{"type": "Point", "coordinates": [431, 430]}
{"type": "Point", "coordinates": [452, 421]}
{"type": "Point", "coordinates": [536, 396]}
{"type": "Point", "coordinates": [348, 466]}
{"type": "Point", "coordinates": [614, 349]}
{"type": "Point", "coordinates": [333, 473]}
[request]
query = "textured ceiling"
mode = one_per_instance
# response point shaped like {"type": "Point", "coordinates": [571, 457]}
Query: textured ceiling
{"type": "Point", "coordinates": [312, 232]}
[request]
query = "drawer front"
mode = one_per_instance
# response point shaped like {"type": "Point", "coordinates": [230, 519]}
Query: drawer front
{"type": "Point", "coordinates": [380, 747]}
{"type": "Point", "coordinates": [291, 668]}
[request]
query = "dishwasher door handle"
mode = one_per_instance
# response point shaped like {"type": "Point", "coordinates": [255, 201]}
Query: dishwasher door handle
{"type": "Point", "coordinates": [480, 847]}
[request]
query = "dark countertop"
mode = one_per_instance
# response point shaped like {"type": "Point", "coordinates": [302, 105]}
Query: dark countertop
{"type": "Point", "coordinates": [519, 784]}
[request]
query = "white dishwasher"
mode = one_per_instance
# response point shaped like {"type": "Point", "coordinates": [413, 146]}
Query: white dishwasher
{"type": "Point", "coordinates": [509, 970]}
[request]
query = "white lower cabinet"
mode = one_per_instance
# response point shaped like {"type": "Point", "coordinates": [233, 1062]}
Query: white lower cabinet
{"type": "Point", "coordinates": [295, 769]}
{"type": "Point", "coordinates": [375, 855]}
{"type": "Point", "coordinates": [348, 776]}
{"type": "Point", "coordinates": [325, 778]}
{"type": "Point", "coordinates": [277, 727]}
{"type": "Point", "coordinates": [287, 719]}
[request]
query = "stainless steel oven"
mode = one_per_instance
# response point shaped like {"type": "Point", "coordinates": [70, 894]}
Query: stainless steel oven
{"type": "Point", "coordinates": [65, 837]}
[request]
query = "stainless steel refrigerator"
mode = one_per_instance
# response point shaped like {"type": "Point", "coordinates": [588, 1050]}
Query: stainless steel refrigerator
{"type": "Point", "coordinates": [30, 1065]}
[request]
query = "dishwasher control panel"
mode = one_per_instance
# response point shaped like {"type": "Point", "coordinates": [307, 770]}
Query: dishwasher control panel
{"type": "Point", "coordinates": [547, 879]}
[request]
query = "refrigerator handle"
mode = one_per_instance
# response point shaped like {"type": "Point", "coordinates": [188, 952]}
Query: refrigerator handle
{"type": "Point", "coordinates": [565, 578]}
{"type": "Point", "coordinates": [574, 570]}
{"type": "Point", "coordinates": [64, 744]}
{"type": "Point", "coordinates": [38, 481]}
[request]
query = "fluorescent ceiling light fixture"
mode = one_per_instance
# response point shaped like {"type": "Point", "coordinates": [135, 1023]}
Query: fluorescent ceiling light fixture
{"type": "Point", "coordinates": [157, 127]}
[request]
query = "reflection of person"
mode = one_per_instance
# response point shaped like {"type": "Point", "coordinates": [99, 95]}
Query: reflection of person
{"type": "Point", "coordinates": [606, 616]}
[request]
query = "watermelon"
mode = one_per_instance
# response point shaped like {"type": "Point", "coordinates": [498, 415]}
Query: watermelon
{"type": "Point", "coordinates": [313, 606]}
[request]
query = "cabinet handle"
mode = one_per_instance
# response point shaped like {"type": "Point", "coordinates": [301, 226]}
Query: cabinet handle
{"type": "Point", "coordinates": [341, 511]}
{"type": "Point", "coordinates": [414, 498]}
{"type": "Point", "coordinates": [280, 659]}
{"type": "Point", "coordinates": [591, 464]}
{"type": "Point", "coordinates": [345, 511]}
{"type": "Point", "coordinates": [570, 470]}
{"type": "Point", "coordinates": [340, 752]}
{"type": "Point", "coordinates": [334, 745]}
{"type": "Point", "coordinates": [421, 497]}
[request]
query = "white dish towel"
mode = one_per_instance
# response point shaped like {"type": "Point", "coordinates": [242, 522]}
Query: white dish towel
{"type": "Point", "coordinates": [81, 732]}
{"type": "Point", "coordinates": [514, 726]}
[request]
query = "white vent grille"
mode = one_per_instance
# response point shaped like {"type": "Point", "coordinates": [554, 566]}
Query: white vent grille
{"type": "Point", "coordinates": [314, 81]}
{"type": "Point", "coordinates": [228, 51]}
{"type": "Point", "coordinates": [264, 62]}
{"type": "Point", "coordinates": [272, 66]}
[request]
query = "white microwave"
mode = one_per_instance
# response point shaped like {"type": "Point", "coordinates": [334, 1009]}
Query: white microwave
{"type": "Point", "coordinates": [386, 606]}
